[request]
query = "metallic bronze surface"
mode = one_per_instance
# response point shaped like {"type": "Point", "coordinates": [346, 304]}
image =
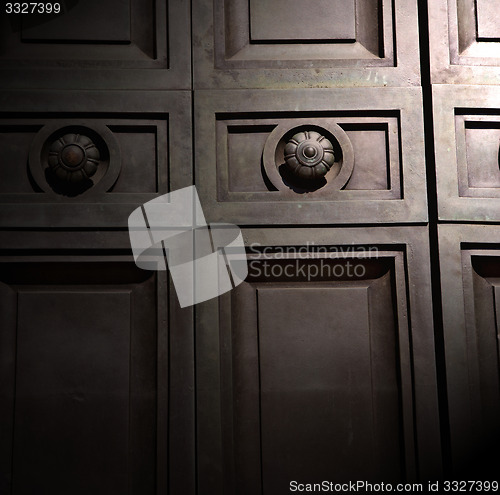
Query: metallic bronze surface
{"type": "Point", "coordinates": [340, 135]}
{"type": "Point", "coordinates": [309, 155]}
{"type": "Point", "coordinates": [73, 158]}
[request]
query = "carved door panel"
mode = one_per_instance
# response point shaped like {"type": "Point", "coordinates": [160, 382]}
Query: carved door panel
{"type": "Point", "coordinates": [95, 357]}
{"type": "Point", "coordinates": [465, 70]}
{"type": "Point", "coordinates": [303, 123]}
{"type": "Point", "coordinates": [464, 41]}
{"type": "Point", "coordinates": [117, 44]}
{"type": "Point", "coordinates": [96, 385]}
{"type": "Point", "coordinates": [304, 371]}
{"type": "Point", "coordinates": [309, 134]}
{"type": "Point", "coordinates": [470, 275]}
{"type": "Point", "coordinates": [290, 44]}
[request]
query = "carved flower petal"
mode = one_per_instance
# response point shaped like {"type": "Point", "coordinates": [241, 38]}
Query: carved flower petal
{"type": "Point", "coordinates": [61, 173]}
{"type": "Point", "coordinates": [293, 163]}
{"type": "Point", "coordinates": [93, 153]}
{"type": "Point", "coordinates": [320, 170]}
{"type": "Point", "coordinates": [329, 157]}
{"type": "Point", "coordinates": [290, 148]}
{"type": "Point", "coordinates": [314, 135]}
{"type": "Point", "coordinates": [90, 169]}
{"type": "Point", "coordinates": [299, 137]}
{"type": "Point", "coordinates": [306, 172]}
{"type": "Point", "coordinates": [327, 144]}
{"type": "Point", "coordinates": [76, 176]}
{"type": "Point", "coordinates": [56, 146]}
{"type": "Point", "coordinates": [84, 141]}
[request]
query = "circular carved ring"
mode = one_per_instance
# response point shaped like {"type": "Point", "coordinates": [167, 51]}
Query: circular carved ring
{"type": "Point", "coordinates": [308, 155]}
{"type": "Point", "coordinates": [72, 159]}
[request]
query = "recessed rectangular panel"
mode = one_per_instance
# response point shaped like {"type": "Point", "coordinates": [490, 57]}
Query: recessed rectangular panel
{"type": "Point", "coordinates": [244, 150]}
{"type": "Point", "coordinates": [312, 372]}
{"type": "Point", "coordinates": [144, 144]}
{"type": "Point", "coordinates": [15, 142]}
{"type": "Point", "coordinates": [72, 391]}
{"type": "Point", "coordinates": [372, 166]}
{"type": "Point", "coordinates": [287, 44]}
{"type": "Point", "coordinates": [486, 304]}
{"type": "Point", "coordinates": [314, 365]}
{"type": "Point", "coordinates": [464, 41]}
{"type": "Point", "coordinates": [85, 363]}
{"type": "Point", "coordinates": [470, 280]}
{"type": "Point", "coordinates": [139, 152]}
{"type": "Point", "coordinates": [483, 141]}
{"type": "Point", "coordinates": [315, 379]}
{"type": "Point", "coordinates": [488, 22]}
{"type": "Point", "coordinates": [467, 142]}
{"type": "Point", "coordinates": [377, 155]}
{"type": "Point", "coordinates": [302, 20]}
{"type": "Point", "coordinates": [86, 21]}
{"type": "Point", "coordinates": [97, 45]}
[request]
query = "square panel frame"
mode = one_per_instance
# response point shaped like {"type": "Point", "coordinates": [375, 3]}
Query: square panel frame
{"type": "Point", "coordinates": [251, 66]}
{"type": "Point", "coordinates": [413, 246]}
{"type": "Point", "coordinates": [101, 211]}
{"type": "Point", "coordinates": [406, 101]}
{"type": "Point", "coordinates": [175, 353]}
{"type": "Point", "coordinates": [459, 326]}
{"type": "Point", "coordinates": [458, 58]}
{"type": "Point", "coordinates": [450, 152]}
{"type": "Point", "coordinates": [170, 68]}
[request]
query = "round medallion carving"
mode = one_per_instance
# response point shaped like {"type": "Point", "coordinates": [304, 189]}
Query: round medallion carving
{"type": "Point", "coordinates": [73, 158]}
{"type": "Point", "coordinates": [309, 155]}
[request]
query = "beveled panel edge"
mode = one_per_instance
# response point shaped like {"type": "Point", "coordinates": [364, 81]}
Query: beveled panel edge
{"type": "Point", "coordinates": [413, 242]}
{"type": "Point", "coordinates": [173, 106]}
{"type": "Point", "coordinates": [174, 25]}
{"type": "Point", "coordinates": [405, 73]}
{"type": "Point", "coordinates": [446, 99]}
{"type": "Point", "coordinates": [443, 70]}
{"type": "Point", "coordinates": [407, 101]}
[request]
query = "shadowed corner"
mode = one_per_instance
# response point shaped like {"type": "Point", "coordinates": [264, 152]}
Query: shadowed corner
{"type": "Point", "coordinates": [483, 462]}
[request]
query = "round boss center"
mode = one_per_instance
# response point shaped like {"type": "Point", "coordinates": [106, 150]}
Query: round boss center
{"type": "Point", "coordinates": [72, 156]}
{"type": "Point", "coordinates": [310, 153]}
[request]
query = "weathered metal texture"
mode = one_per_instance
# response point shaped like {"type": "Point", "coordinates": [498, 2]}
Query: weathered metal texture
{"type": "Point", "coordinates": [97, 357]}
{"type": "Point", "coordinates": [464, 41]}
{"type": "Point", "coordinates": [117, 44]}
{"type": "Point", "coordinates": [282, 44]}
{"type": "Point", "coordinates": [315, 375]}
{"type": "Point", "coordinates": [309, 155]}
{"type": "Point", "coordinates": [143, 155]}
{"type": "Point", "coordinates": [470, 274]}
{"type": "Point", "coordinates": [467, 140]}
{"type": "Point", "coordinates": [240, 138]}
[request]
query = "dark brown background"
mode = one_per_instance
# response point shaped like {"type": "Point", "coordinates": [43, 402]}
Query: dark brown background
{"type": "Point", "coordinates": [107, 386]}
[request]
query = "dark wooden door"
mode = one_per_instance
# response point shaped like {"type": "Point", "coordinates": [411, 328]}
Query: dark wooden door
{"type": "Point", "coordinates": [320, 377]}
{"type": "Point", "coordinates": [315, 127]}
{"type": "Point", "coordinates": [96, 359]}
{"type": "Point", "coordinates": [465, 71]}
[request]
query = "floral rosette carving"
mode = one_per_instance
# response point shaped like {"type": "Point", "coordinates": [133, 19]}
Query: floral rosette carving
{"type": "Point", "coordinates": [309, 155]}
{"type": "Point", "coordinates": [73, 158]}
